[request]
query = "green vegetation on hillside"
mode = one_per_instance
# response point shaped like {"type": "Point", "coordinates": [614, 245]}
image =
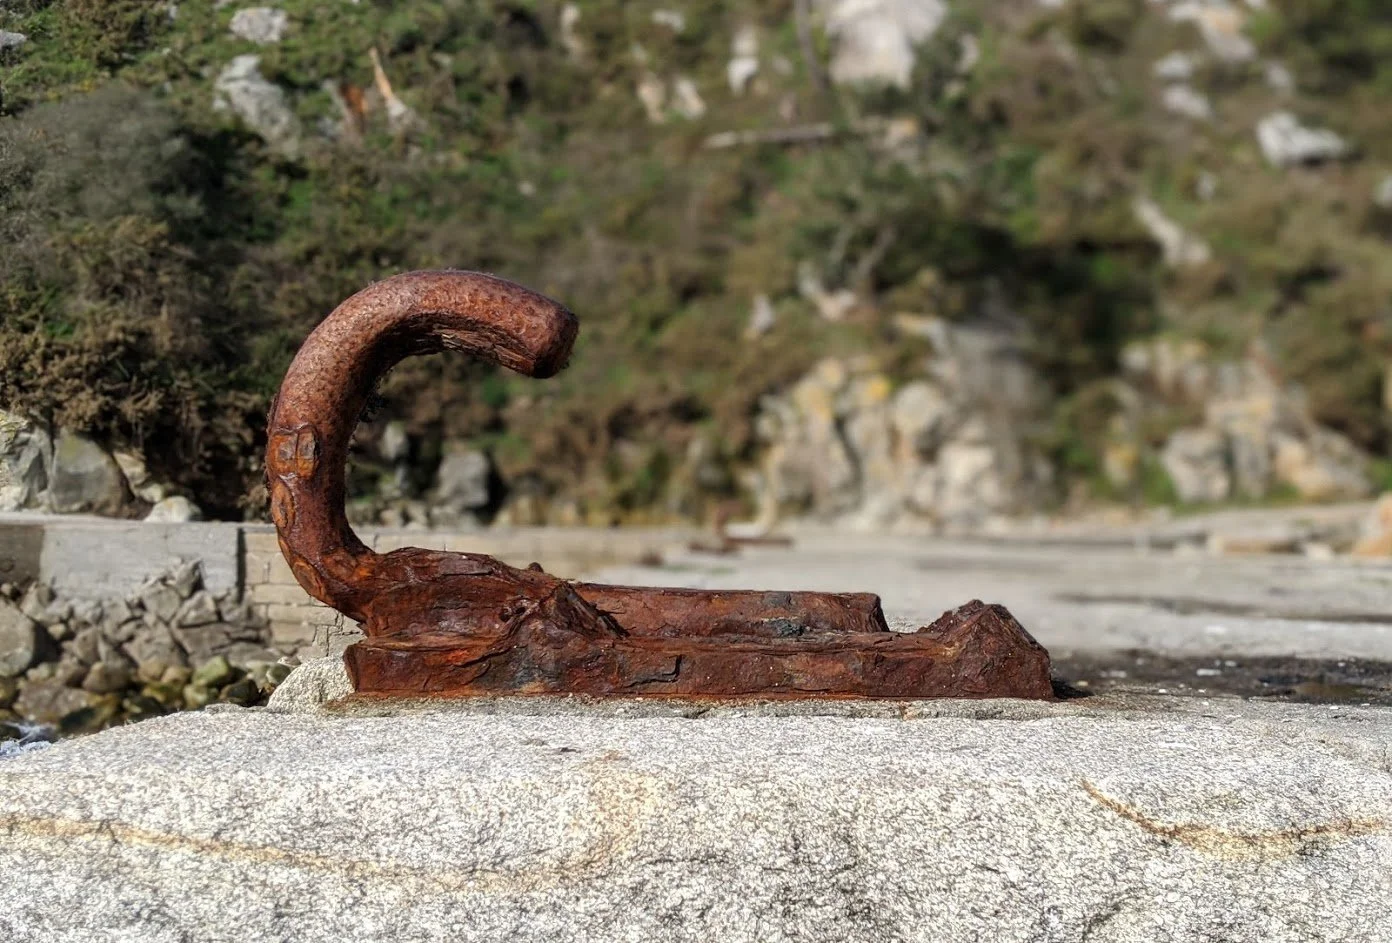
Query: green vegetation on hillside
{"type": "Point", "coordinates": [162, 261]}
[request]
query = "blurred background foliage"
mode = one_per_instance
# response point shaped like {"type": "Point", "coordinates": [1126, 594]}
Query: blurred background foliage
{"type": "Point", "coordinates": [161, 262]}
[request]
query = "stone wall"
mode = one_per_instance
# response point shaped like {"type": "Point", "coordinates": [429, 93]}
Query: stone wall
{"type": "Point", "coordinates": [98, 558]}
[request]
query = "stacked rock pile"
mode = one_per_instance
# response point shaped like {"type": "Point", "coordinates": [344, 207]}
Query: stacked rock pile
{"type": "Point", "coordinates": [75, 666]}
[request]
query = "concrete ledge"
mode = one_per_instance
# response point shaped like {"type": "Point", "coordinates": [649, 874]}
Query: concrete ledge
{"type": "Point", "coordinates": [86, 557]}
{"type": "Point", "coordinates": [1219, 821]}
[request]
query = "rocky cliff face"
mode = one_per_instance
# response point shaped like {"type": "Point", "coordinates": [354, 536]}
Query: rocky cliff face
{"type": "Point", "coordinates": [948, 448]}
{"type": "Point", "coordinates": [1252, 438]}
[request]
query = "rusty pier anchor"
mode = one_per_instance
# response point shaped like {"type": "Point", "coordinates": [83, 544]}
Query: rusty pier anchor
{"type": "Point", "coordinates": [459, 624]}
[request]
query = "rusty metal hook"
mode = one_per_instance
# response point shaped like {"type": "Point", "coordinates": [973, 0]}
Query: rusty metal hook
{"type": "Point", "coordinates": [460, 623]}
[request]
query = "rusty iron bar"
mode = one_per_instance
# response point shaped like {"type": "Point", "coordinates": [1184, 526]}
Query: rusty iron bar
{"type": "Point", "coordinates": [445, 623]}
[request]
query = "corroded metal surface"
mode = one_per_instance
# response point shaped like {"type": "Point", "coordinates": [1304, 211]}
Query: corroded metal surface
{"type": "Point", "coordinates": [461, 623]}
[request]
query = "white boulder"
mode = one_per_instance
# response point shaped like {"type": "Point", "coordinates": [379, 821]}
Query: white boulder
{"type": "Point", "coordinates": [261, 104]}
{"type": "Point", "coordinates": [1285, 142]}
{"type": "Point", "coordinates": [875, 41]}
{"type": "Point", "coordinates": [260, 25]}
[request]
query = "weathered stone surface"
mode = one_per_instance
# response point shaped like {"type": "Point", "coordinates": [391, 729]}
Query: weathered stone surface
{"type": "Point", "coordinates": [186, 577]}
{"type": "Point", "coordinates": [1285, 142]}
{"type": "Point", "coordinates": [1257, 433]}
{"type": "Point", "coordinates": [85, 478]}
{"type": "Point", "coordinates": [261, 104]}
{"type": "Point", "coordinates": [461, 483]}
{"type": "Point", "coordinates": [1213, 821]}
{"type": "Point", "coordinates": [85, 646]}
{"type": "Point", "coordinates": [1175, 67]}
{"type": "Point", "coordinates": [311, 685]}
{"type": "Point", "coordinates": [214, 672]}
{"type": "Point", "coordinates": [1375, 539]}
{"type": "Point", "coordinates": [74, 555]}
{"type": "Point", "coordinates": [154, 650]}
{"type": "Point", "coordinates": [248, 655]}
{"type": "Point", "coordinates": [199, 609]}
{"type": "Point", "coordinates": [161, 601]}
{"type": "Point", "coordinates": [174, 510]}
{"type": "Point", "coordinates": [262, 25]}
{"type": "Point", "coordinates": [48, 702]}
{"type": "Point", "coordinates": [744, 59]}
{"type": "Point", "coordinates": [1322, 465]}
{"type": "Point", "coordinates": [1180, 248]}
{"type": "Point", "coordinates": [875, 40]}
{"type": "Point", "coordinates": [1195, 460]}
{"type": "Point", "coordinates": [1186, 101]}
{"type": "Point", "coordinates": [949, 449]}
{"type": "Point", "coordinates": [134, 468]}
{"type": "Point", "coordinates": [26, 457]}
{"type": "Point", "coordinates": [1221, 24]}
{"type": "Point", "coordinates": [22, 640]}
{"type": "Point", "coordinates": [107, 677]}
{"type": "Point", "coordinates": [36, 601]}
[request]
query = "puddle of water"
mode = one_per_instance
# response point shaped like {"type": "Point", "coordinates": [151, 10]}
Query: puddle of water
{"type": "Point", "coordinates": [18, 738]}
{"type": "Point", "coordinates": [1302, 681]}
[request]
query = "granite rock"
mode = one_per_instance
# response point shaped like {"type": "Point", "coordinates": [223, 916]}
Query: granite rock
{"type": "Point", "coordinates": [261, 25]}
{"type": "Point", "coordinates": [312, 685]}
{"type": "Point", "coordinates": [260, 103]}
{"type": "Point", "coordinates": [22, 641]}
{"type": "Point", "coordinates": [174, 510]}
{"type": "Point", "coordinates": [875, 40]}
{"type": "Point", "coordinates": [26, 457]}
{"type": "Point", "coordinates": [86, 478]}
{"type": "Point", "coordinates": [1285, 142]}
{"type": "Point", "coordinates": [1205, 820]}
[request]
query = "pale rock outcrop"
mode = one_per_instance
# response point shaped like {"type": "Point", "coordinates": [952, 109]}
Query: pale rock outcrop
{"type": "Point", "coordinates": [1256, 435]}
{"type": "Point", "coordinates": [1175, 67]}
{"type": "Point", "coordinates": [138, 476]}
{"type": "Point", "coordinates": [831, 305]}
{"type": "Point", "coordinates": [261, 104]}
{"type": "Point", "coordinates": [744, 59]}
{"type": "Point", "coordinates": [652, 93]}
{"type": "Point", "coordinates": [175, 509]}
{"type": "Point", "coordinates": [1382, 193]}
{"type": "Point", "coordinates": [1285, 142]}
{"type": "Point", "coordinates": [85, 478]}
{"type": "Point", "coordinates": [1221, 25]}
{"type": "Point", "coordinates": [1186, 101]}
{"type": "Point", "coordinates": [1279, 78]}
{"type": "Point", "coordinates": [1375, 538]}
{"type": "Point", "coordinates": [761, 317]}
{"type": "Point", "coordinates": [26, 462]}
{"type": "Point", "coordinates": [947, 449]}
{"type": "Point", "coordinates": [675, 20]}
{"type": "Point", "coordinates": [1196, 461]}
{"type": "Point", "coordinates": [260, 25]}
{"type": "Point", "coordinates": [875, 41]}
{"type": "Point", "coordinates": [462, 488]}
{"type": "Point", "coordinates": [571, 40]}
{"type": "Point", "coordinates": [686, 98]}
{"type": "Point", "coordinates": [1180, 248]}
